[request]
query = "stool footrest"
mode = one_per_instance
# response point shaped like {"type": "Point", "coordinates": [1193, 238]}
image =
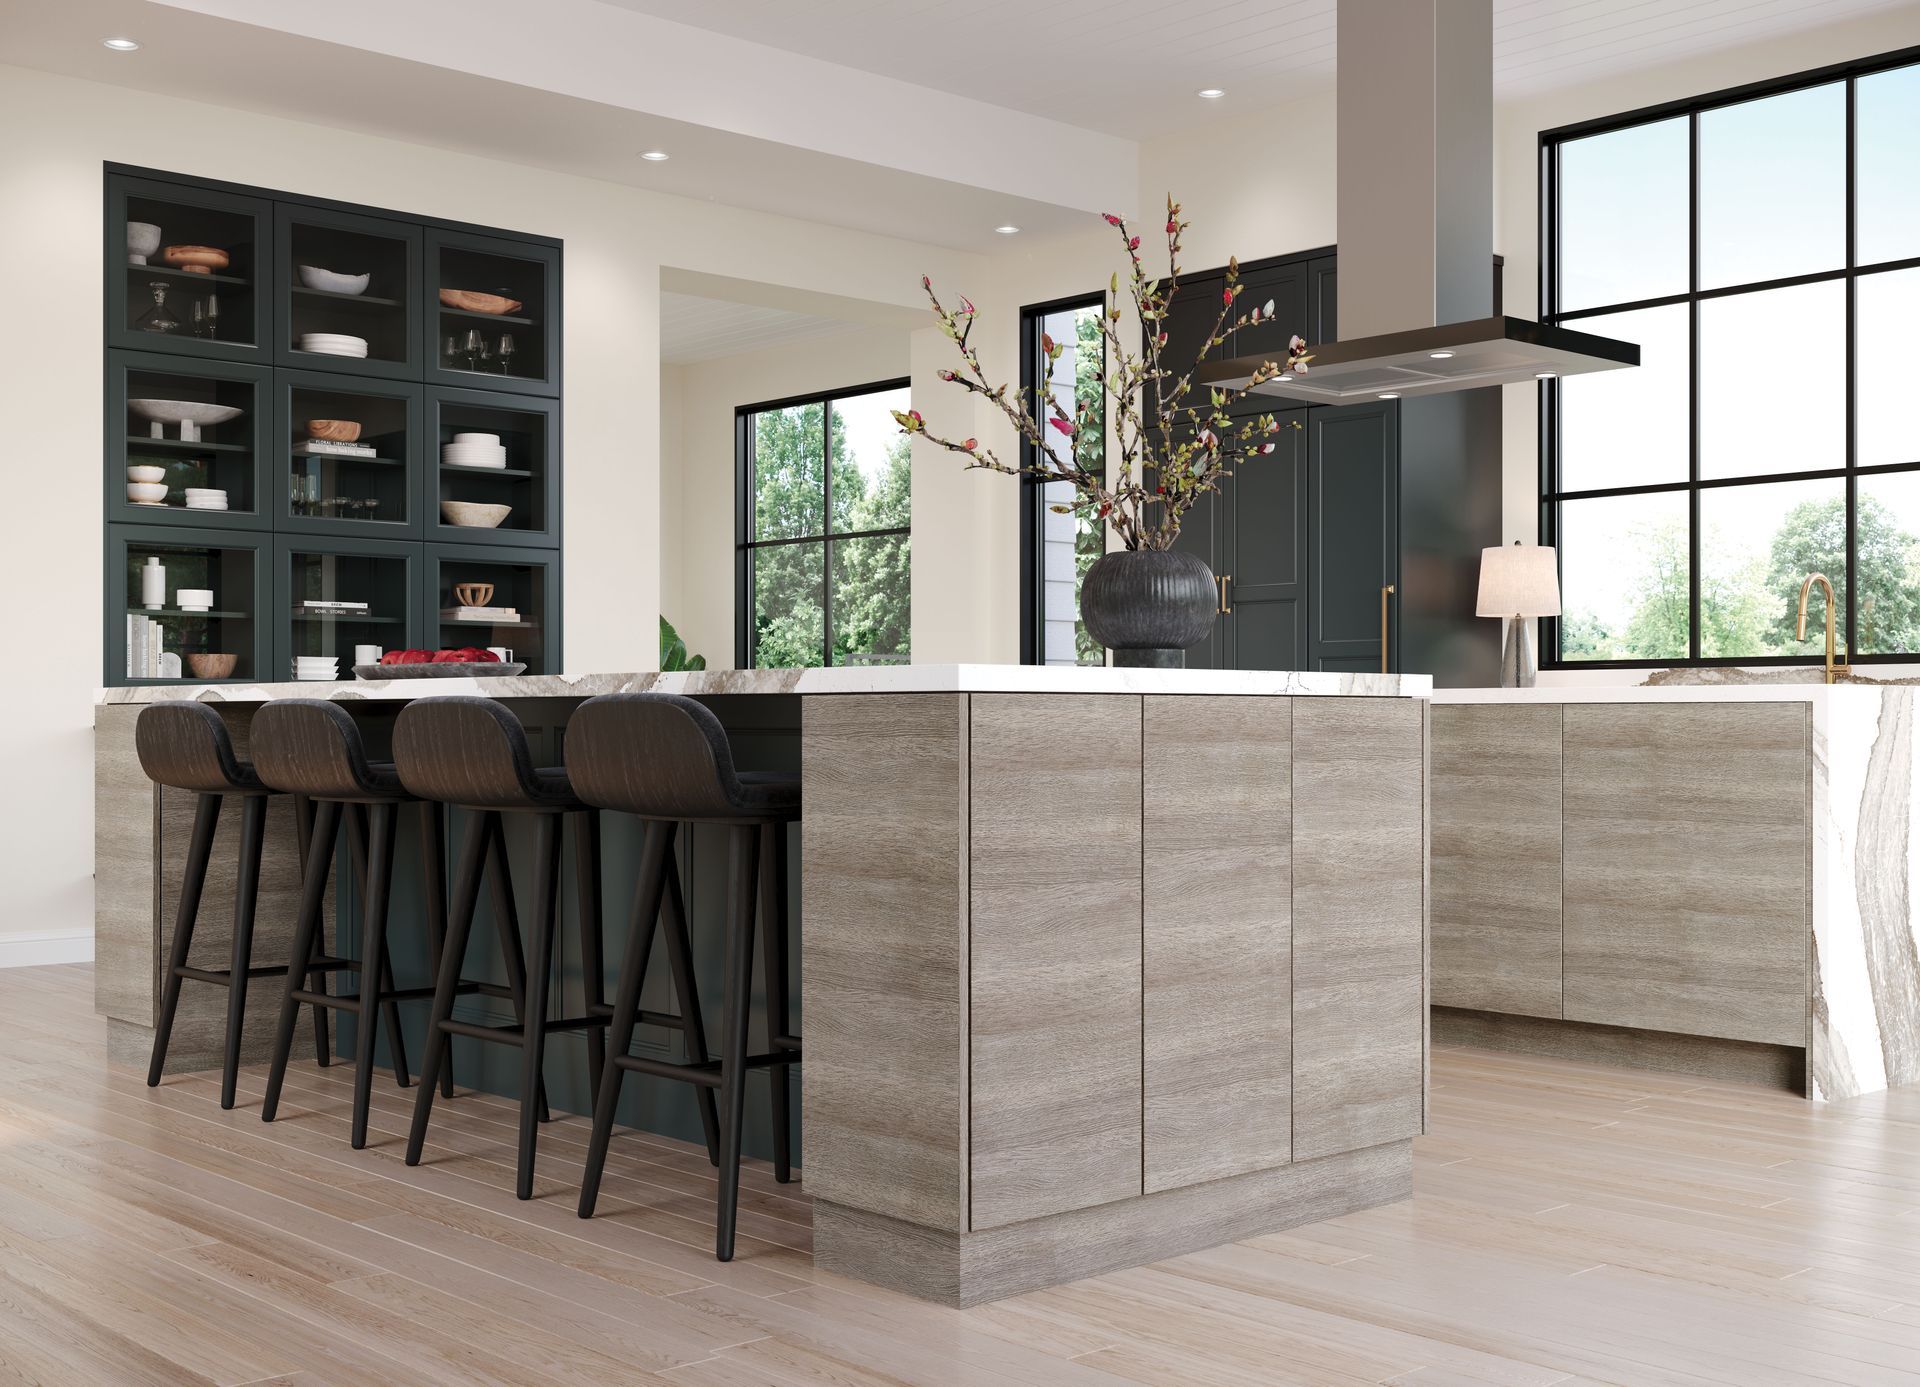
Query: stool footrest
{"type": "Point", "coordinates": [512, 1034]}
{"type": "Point", "coordinates": [786, 1042]}
{"type": "Point", "coordinates": [223, 977]}
{"type": "Point", "coordinates": [707, 1073]}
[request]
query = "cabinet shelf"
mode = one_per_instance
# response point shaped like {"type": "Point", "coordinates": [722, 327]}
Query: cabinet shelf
{"type": "Point", "coordinates": [358, 618]}
{"type": "Point", "coordinates": [169, 272]}
{"type": "Point", "coordinates": [177, 612]}
{"type": "Point", "coordinates": [178, 445]}
{"type": "Point", "coordinates": [475, 621]}
{"type": "Point", "coordinates": [518, 473]}
{"type": "Point", "coordinates": [469, 314]}
{"type": "Point", "coordinates": [335, 296]}
{"type": "Point", "coordinates": [355, 459]}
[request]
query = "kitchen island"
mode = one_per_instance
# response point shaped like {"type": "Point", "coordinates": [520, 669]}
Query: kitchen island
{"type": "Point", "coordinates": [1711, 877]}
{"type": "Point", "coordinates": [1098, 966]}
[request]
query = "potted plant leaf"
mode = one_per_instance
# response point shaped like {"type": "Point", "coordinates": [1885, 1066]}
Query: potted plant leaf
{"type": "Point", "coordinates": [1145, 601]}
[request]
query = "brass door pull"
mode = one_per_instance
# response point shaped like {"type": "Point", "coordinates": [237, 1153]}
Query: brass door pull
{"type": "Point", "coordinates": [1223, 580]}
{"type": "Point", "coordinates": [1385, 593]}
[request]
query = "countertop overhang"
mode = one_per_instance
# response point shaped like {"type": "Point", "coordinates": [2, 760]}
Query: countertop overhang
{"type": "Point", "coordinates": [956, 678]}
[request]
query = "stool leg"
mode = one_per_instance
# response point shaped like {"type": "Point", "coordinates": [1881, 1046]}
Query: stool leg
{"type": "Point", "coordinates": [506, 923]}
{"type": "Point", "coordinates": [655, 855]}
{"type": "Point", "coordinates": [316, 978]}
{"type": "Point", "coordinates": [374, 978]}
{"type": "Point", "coordinates": [593, 982]}
{"type": "Point", "coordinates": [533, 1030]}
{"type": "Point", "coordinates": [773, 950]}
{"type": "Point", "coordinates": [744, 850]}
{"type": "Point", "coordinates": [433, 875]}
{"type": "Point", "coordinates": [246, 891]}
{"type": "Point", "coordinates": [446, 985]}
{"type": "Point", "coordinates": [383, 977]}
{"type": "Point", "coordinates": [306, 931]}
{"type": "Point", "coordinates": [686, 991]}
{"type": "Point", "coordinates": [206, 818]}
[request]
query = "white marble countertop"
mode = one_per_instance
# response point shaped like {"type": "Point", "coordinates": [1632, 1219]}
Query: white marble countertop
{"type": "Point", "coordinates": [1061, 679]}
{"type": "Point", "coordinates": [1658, 693]}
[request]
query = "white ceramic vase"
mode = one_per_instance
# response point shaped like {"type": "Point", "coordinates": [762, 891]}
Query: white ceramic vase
{"type": "Point", "coordinates": [153, 584]}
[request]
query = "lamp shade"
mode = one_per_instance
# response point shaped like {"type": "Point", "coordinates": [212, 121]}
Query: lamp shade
{"type": "Point", "coordinates": [1519, 580]}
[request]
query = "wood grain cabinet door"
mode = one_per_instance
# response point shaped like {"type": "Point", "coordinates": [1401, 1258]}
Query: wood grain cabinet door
{"type": "Point", "coordinates": [1496, 858]}
{"type": "Point", "coordinates": [1359, 922]}
{"type": "Point", "coordinates": [1686, 868]}
{"type": "Point", "coordinates": [1054, 975]}
{"type": "Point", "coordinates": [1216, 937]}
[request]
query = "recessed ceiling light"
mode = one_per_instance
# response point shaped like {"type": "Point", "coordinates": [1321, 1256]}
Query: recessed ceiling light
{"type": "Point", "coordinates": [1389, 394]}
{"type": "Point", "coordinates": [1008, 230]}
{"type": "Point", "coordinates": [120, 45]}
{"type": "Point", "coordinates": [1439, 356]}
{"type": "Point", "coordinates": [656, 156]}
{"type": "Point", "coordinates": [1545, 375]}
{"type": "Point", "coordinates": [1210, 93]}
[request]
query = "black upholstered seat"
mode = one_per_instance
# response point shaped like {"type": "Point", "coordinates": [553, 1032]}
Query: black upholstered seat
{"type": "Point", "coordinates": [187, 745]}
{"type": "Point", "coordinates": [313, 747]}
{"type": "Point", "coordinates": [662, 756]}
{"type": "Point", "coordinates": [474, 751]}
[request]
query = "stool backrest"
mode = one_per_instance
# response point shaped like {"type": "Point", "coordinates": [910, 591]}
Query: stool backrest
{"type": "Point", "coordinates": [464, 750]}
{"type": "Point", "coordinates": [311, 747]}
{"type": "Point", "coordinates": [658, 755]}
{"type": "Point", "coordinates": [187, 745]}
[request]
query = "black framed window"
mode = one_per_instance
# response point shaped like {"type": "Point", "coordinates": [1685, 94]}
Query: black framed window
{"type": "Point", "coordinates": [1057, 550]}
{"type": "Point", "coordinates": [1762, 246]}
{"type": "Point", "coordinates": [822, 530]}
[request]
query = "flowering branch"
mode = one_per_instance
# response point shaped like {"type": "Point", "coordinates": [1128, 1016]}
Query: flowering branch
{"type": "Point", "coordinates": [1183, 448]}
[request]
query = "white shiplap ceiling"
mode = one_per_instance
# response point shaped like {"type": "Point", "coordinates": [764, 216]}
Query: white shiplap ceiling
{"type": "Point", "coordinates": [696, 329]}
{"type": "Point", "coordinates": [1132, 67]}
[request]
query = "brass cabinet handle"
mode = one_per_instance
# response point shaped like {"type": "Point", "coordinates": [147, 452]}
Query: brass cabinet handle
{"type": "Point", "coordinates": [1385, 593]}
{"type": "Point", "coordinates": [1226, 608]}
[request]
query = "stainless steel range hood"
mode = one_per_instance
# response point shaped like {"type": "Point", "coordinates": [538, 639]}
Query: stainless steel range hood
{"type": "Point", "coordinates": [1414, 175]}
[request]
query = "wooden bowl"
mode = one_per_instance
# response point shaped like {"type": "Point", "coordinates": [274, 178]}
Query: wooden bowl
{"type": "Point", "coordinates": [195, 259]}
{"type": "Point", "coordinates": [211, 665]}
{"type": "Point", "coordinates": [334, 430]}
{"type": "Point", "coordinates": [473, 594]}
{"type": "Point", "coordinates": [474, 302]}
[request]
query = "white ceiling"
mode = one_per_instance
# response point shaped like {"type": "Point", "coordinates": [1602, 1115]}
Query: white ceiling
{"type": "Point", "coordinates": [1132, 67]}
{"type": "Point", "coordinates": [694, 329]}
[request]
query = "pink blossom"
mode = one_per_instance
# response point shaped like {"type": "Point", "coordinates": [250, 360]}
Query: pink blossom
{"type": "Point", "coordinates": [926, 281]}
{"type": "Point", "coordinates": [1299, 368]}
{"type": "Point", "coordinates": [1173, 227]}
{"type": "Point", "coordinates": [1133, 243]}
{"type": "Point", "coordinates": [1046, 343]}
{"type": "Point", "coordinates": [1111, 219]}
{"type": "Point", "coordinates": [1297, 343]}
{"type": "Point", "coordinates": [1161, 340]}
{"type": "Point", "coordinates": [1265, 448]}
{"type": "Point", "coordinates": [1065, 426]}
{"type": "Point", "coordinates": [1226, 296]}
{"type": "Point", "coordinates": [971, 444]}
{"type": "Point", "coordinates": [966, 306]}
{"type": "Point", "coordinates": [944, 373]}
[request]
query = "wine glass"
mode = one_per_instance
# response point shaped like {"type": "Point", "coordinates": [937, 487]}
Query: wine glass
{"type": "Point", "coordinates": [505, 353]}
{"type": "Point", "coordinates": [476, 349]}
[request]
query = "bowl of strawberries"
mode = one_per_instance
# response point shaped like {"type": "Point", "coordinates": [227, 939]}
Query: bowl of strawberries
{"type": "Point", "coordinates": [463, 662]}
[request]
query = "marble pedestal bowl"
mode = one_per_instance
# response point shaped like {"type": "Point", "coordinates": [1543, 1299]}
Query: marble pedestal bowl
{"type": "Point", "coordinates": [191, 415]}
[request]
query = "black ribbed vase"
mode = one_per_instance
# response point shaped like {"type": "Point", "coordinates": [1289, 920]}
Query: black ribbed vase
{"type": "Point", "coordinates": [1148, 605]}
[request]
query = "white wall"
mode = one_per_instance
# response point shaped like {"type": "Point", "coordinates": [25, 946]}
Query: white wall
{"type": "Point", "coordinates": [697, 476]}
{"type": "Point", "coordinates": [60, 132]}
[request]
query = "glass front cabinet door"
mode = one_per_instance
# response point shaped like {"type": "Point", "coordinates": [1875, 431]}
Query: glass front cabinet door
{"type": "Point", "coordinates": [494, 315]}
{"type": "Point", "coordinates": [341, 603]}
{"type": "Point", "coordinates": [186, 441]}
{"type": "Point", "coordinates": [496, 597]}
{"type": "Point", "coordinates": [186, 267]}
{"type": "Point", "coordinates": [348, 453]}
{"type": "Point", "coordinates": [493, 468]}
{"type": "Point", "coordinates": [184, 606]}
{"type": "Point", "coordinates": [348, 290]}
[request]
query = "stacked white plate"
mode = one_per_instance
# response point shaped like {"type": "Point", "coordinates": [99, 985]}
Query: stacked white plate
{"type": "Point", "coordinates": [474, 450]}
{"type": "Point", "coordinates": [332, 344]}
{"type": "Point", "coordinates": [316, 667]}
{"type": "Point", "coordinates": [206, 498]}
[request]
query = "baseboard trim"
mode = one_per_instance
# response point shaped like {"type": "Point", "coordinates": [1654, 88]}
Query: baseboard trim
{"type": "Point", "coordinates": [1741, 1061]}
{"type": "Point", "coordinates": [39, 947]}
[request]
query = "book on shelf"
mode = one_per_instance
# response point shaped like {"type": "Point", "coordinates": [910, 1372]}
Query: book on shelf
{"type": "Point", "coordinates": [146, 640]}
{"type": "Point", "coordinates": [327, 445]}
{"type": "Point", "coordinates": [479, 614]}
{"type": "Point", "coordinates": [314, 605]}
{"type": "Point", "coordinates": [156, 647]}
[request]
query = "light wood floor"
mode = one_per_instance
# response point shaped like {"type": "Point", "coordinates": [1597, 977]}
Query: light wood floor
{"type": "Point", "coordinates": [1573, 1224]}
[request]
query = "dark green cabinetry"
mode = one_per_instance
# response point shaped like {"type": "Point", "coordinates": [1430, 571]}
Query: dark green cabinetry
{"type": "Point", "coordinates": [366, 518]}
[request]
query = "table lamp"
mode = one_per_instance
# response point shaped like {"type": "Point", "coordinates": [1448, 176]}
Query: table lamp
{"type": "Point", "coordinates": [1517, 583]}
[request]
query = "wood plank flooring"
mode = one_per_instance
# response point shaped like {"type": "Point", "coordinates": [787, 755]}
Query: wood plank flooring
{"type": "Point", "coordinates": [1573, 1224]}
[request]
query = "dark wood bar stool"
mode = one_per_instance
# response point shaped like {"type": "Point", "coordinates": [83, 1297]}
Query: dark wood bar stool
{"type": "Point", "coordinates": [186, 746]}
{"type": "Point", "coordinates": [667, 759]}
{"type": "Point", "coordinates": [473, 753]}
{"type": "Point", "coordinates": [313, 748]}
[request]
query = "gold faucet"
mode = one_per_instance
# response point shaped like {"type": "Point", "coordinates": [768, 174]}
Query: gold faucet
{"type": "Point", "coordinates": [1800, 632]}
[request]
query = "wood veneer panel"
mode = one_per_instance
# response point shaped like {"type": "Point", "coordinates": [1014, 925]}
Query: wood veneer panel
{"type": "Point", "coordinates": [1359, 922]}
{"type": "Point", "coordinates": [1055, 954]}
{"type": "Point", "coordinates": [1686, 868]}
{"type": "Point", "coordinates": [1496, 858]}
{"type": "Point", "coordinates": [1217, 937]}
{"type": "Point", "coordinates": [884, 953]}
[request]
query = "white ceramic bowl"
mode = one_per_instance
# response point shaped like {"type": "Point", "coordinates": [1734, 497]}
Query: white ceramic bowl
{"type": "Point", "coordinates": [144, 472]}
{"type": "Point", "coordinates": [206, 491]}
{"type": "Point", "coordinates": [488, 439]}
{"type": "Point", "coordinates": [333, 282]}
{"type": "Point", "coordinates": [332, 349]}
{"type": "Point", "coordinates": [183, 411]}
{"type": "Point", "coordinates": [206, 505]}
{"type": "Point", "coordinates": [150, 493]}
{"type": "Point", "coordinates": [335, 337]}
{"type": "Point", "coordinates": [193, 597]}
{"type": "Point", "coordinates": [143, 239]}
{"type": "Point", "coordinates": [474, 515]}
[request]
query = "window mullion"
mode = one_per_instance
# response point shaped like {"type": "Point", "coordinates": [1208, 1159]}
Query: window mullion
{"type": "Point", "coordinates": [1693, 386]}
{"type": "Point", "coordinates": [826, 528]}
{"type": "Point", "coordinates": [1852, 634]}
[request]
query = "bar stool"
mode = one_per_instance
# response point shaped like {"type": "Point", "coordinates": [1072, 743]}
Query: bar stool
{"type": "Point", "coordinates": [313, 748]}
{"type": "Point", "coordinates": [473, 752]}
{"type": "Point", "coordinates": [186, 746]}
{"type": "Point", "coordinates": [666, 759]}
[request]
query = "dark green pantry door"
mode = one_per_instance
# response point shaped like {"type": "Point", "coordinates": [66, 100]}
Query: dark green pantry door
{"type": "Point", "coordinates": [1352, 536]}
{"type": "Point", "coordinates": [1263, 562]}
